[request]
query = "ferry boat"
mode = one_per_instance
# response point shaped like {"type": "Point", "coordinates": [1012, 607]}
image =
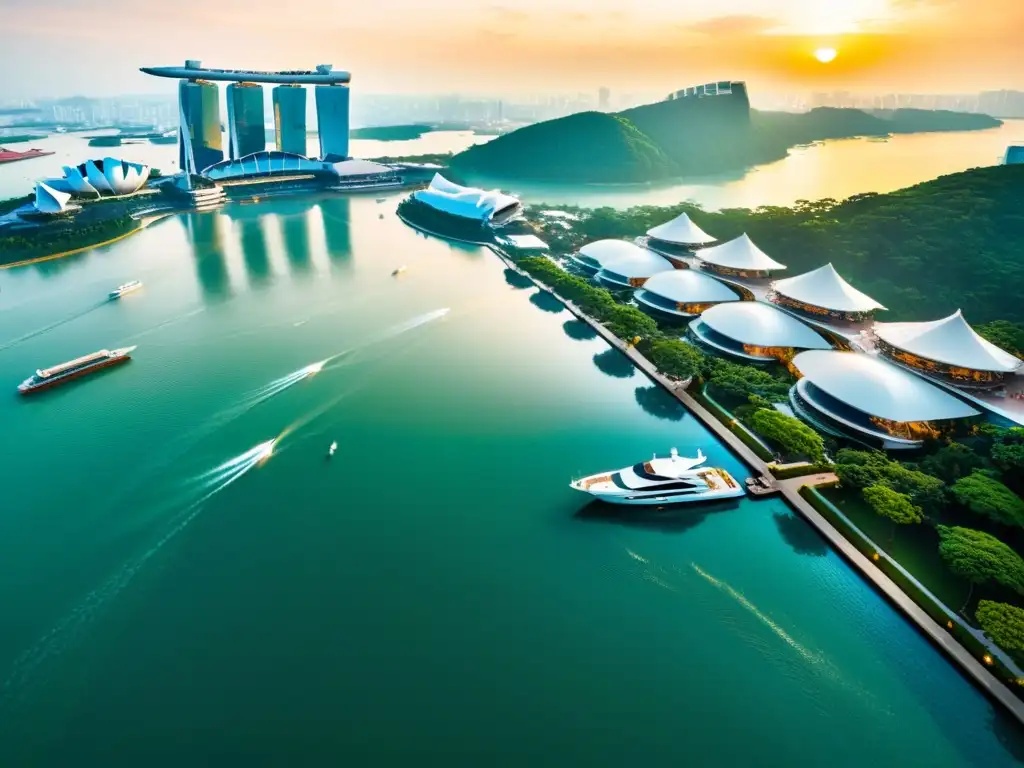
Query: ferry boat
{"type": "Point", "coordinates": [675, 480]}
{"type": "Point", "coordinates": [121, 290]}
{"type": "Point", "coordinates": [45, 378]}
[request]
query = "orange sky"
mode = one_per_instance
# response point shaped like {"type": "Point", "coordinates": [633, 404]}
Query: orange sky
{"type": "Point", "coordinates": [505, 47]}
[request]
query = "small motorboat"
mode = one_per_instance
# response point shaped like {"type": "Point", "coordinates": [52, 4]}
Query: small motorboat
{"type": "Point", "coordinates": [332, 449]}
{"type": "Point", "coordinates": [399, 271]}
{"type": "Point", "coordinates": [121, 290]}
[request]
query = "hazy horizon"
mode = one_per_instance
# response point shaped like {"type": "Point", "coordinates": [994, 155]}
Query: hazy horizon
{"type": "Point", "coordinates": [532, 46]}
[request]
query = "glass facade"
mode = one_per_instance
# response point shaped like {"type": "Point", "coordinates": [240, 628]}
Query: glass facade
{"type": "Point", "coordinates": [246, 133]}
{"type": "Point", "coordinates": [332, 107]}
{"type": "Point", "coordinates": [200, 115]}
{"type": "Point", "coordinates": [290, 119]}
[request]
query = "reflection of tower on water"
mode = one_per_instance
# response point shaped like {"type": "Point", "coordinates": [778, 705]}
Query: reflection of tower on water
{"type": "Point", "coordinates": [205, 235]}
{"type": "Point", "coordinates": [254, 249]}
{"type": "Point", "coordinates": [337, 215]}
{"type": "Point", "coordinates": [295, 230]}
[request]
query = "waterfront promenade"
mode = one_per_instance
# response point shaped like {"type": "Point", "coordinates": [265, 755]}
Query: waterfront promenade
{"type": "Point", "coordinates": [790, 490]}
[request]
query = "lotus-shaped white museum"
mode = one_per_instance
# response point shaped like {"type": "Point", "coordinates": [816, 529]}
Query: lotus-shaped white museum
{"type": "Point", "coordinates": [109, 176]}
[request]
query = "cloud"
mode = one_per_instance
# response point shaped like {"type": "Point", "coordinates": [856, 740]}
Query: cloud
{"type": "Point", "coordinates": [739, 25]}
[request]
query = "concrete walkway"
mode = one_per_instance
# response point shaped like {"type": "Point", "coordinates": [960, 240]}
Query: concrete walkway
{"type": "Point", "coordinates": [790, 488]}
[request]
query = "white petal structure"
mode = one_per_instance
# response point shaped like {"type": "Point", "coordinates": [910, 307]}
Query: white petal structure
{"type": "Point", "coordinates": [823, 287]}
{"type": "Point", "coordinates": [739, 254]}
{"type": "Point", "coordinates": [632, 269]}
{"type": "Point", "coordinates": [950, 341]}
{"type": "Point", "coordinates": [593, 256]}
{"type": "Point", "coordinates": [467, 202]}
{"type": "Point", "coordinates": [751, 330]}
{"type": "Point", "coordinates": [109, 176]}
{"type": "Point", "coordinates": [49, 200]}
{"type": "Point", "coordinates": [681, 231]}
{"type": "Point", "coordinates": [75, 178]}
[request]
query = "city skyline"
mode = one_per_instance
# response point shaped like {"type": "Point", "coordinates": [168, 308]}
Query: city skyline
{"type": "Point", "coordinates": [454, 45]}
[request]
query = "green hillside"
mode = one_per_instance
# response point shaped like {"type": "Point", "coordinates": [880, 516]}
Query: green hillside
{"type": "Point", "coordinates": [956, 242]}
{"type": "Point", "coordinates": [585, 147]}
{"type": "Point", "coordinates": [681, 137]}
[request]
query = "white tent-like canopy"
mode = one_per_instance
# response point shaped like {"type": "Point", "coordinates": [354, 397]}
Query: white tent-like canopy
{"type": "Point", "coordinates": [467, 202]}
{"type": "Point", "coordinates": [688, 286]}
{"type": "Point", "coordinates": [877, 388]}
{"type": "Point", "coordinates": [681, 231]}
{"type": "Point", "coordinates": [950, 341]}
{"type": "Point", "coordinates": [761, 325]}
{"type": "Point", "coordinates": [740, 254]}
{"type": "Point", "coordinates": [823, 287]}
{"type": "Point", "coordinates": [602, 251]}
{"type": "Point", "coordinates": [50, 200]}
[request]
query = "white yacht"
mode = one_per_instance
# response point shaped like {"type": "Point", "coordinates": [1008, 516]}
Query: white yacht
{"type": "Point", "coordinates": [121, 290]}
{"type": "Point", "coordinates": [675, 480]}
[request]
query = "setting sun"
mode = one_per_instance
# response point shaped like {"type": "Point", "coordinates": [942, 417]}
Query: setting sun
{"type": "Point", "coordinates": [825, 55]}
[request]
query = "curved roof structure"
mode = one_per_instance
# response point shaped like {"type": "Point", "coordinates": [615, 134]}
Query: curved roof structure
{"type": "Point", "coordinates": [823, 287]}
{"type": "Point", "coordinates": [50, 200]}
{"type": "Point", "coordinates": [681, 231]}
{"type": "Point", "coordinates": [602, 251]}
{"type": "Point", "coordinates": [108, 176]}
{"type": "Point", "coordinates": [357, 167]}
{"type": "Point", "coordinates": [466, 202]}
{"type": "Point", "coordinates": [951, 341]}
{"type": "Point", "coordinates": [688, 286]}
{"type": "Point", "coordinates": [761, 325]}
{"type": "Point", "coordinates": [638, 264]}
{"type": "Point", "coordinates": [266, 163]}
{"type": "Point", "coordinates": [739, 253]}
{"type": "Point", "coordinates": [877, 388]}
{"type": "Point", "coordinates": [324, 74]}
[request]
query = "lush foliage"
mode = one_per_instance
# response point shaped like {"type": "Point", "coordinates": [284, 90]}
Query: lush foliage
{"type": "Point", "coordinates": [905, 248]}
{"type": "Point", "coordinates": [980, 558]}
{"type": "Point", "coordinates": [390, 132]}
{"type": "Point", "coordinates": [741, 381]}
{"type": "Point", "coordinates": [793, 436]}
{"type": "Point", "coordinates": [989, 498]}
{"type": "Point", "coordinates": [1003, 623]}
{"type": "Point", "coordinates": [860, 469]}
{"type": "Point", "coordinates": [888, 503]}
{"type": "Point", "coordinates": [675, 358]}
{"type": "Point", "coordinates": [951, 462]}
{"type": "Point", "coordinates": [1009, 336]}
{"type": "Point", "coordinates": [50, 239]}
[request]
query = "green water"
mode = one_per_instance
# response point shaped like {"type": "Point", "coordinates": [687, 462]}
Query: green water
{"type": "Point", "coordinates": [435, 594]}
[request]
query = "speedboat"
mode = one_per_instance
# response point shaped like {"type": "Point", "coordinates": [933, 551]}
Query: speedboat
{"type": "Point", "coordinates": [333, 448]}
{"type": "Point", "coordinates": [675, 480]}
{"type": "Point", "coordinates": [121, 290]}
{"type": "Point", "coordinates": [399, 271]}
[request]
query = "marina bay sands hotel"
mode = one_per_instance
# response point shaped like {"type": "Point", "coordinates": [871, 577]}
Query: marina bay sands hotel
{"type": "Point", "coordinates": [199, 131]}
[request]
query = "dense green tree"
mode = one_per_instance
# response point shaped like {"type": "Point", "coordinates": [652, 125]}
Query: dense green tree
{"type": "Point", "coordinates": [897, 507]}
{"type": "Point", "coordinates": [979, 557]}
{"type": "Point", "coordinates": [1003, 623]}
{"type": "Point", "coordinates": [988, 497]}
{"type": "Point", "coordinates": [859, 469]}
{"type": "Point", "coordinates": [951, 462]}
{"type": "Point", "coordinates": [741, 381]}
{"type": "Point", "coordinates": [793, 436]}
{"type": "Point", "coordinates": [674, 357]}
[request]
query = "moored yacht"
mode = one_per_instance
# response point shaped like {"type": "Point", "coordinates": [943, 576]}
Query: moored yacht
{"type": "Point", "coordinates": [675, 480]}
{"type": "Point", "coordinates": [121, 290]}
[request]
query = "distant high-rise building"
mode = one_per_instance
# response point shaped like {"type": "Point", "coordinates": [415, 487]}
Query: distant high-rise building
{"type": "Point", "coordinates": [200, 117]}
{"type": "Point", "coordinates": [604, 98]}
{"type": "Point", "coordinates": [246, 133]}
{"type": "Point", "coordinates": [290, 118]}
{"type": "Point", "coordinates": [332, 107]}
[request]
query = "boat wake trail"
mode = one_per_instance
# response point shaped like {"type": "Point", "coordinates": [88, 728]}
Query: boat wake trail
{"type": "Point", "coordinates": [64, 634]}
{"type": "Point", "coordinates": [51, 326]}
{"type": "Point", "coordinates": [164, 324]}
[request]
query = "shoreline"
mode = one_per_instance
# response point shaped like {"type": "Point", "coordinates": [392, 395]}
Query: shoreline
{"type": "Point", "coordinates": [940, 638]}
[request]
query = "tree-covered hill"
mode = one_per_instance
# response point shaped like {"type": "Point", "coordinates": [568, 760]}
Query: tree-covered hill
{"type": "Point", "coordinates": [925, 251]}
{"type": "Point", "coordinates": [681, 137]}
{"type": "Point", "coordinates": [587, 147]}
